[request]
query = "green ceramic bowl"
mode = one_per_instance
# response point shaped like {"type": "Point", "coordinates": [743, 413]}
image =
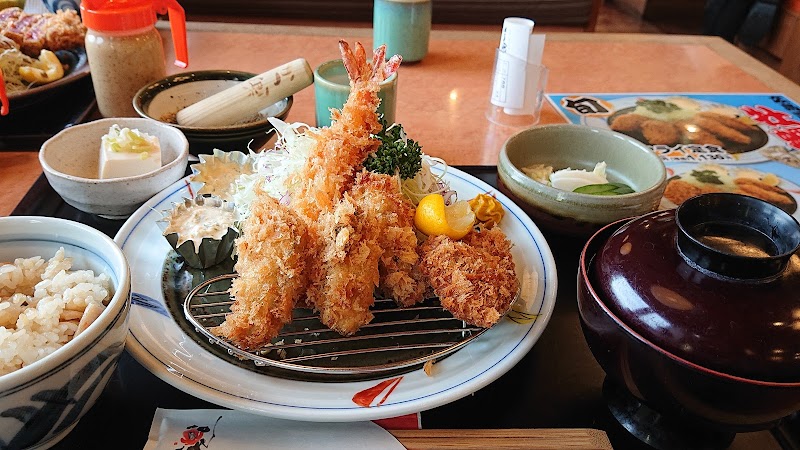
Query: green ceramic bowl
{"type": "Point", "coordinates": [580, 147]}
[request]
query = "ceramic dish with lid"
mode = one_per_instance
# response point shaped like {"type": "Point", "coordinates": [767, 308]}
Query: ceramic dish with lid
{"type": "Point", "coordinates": [693, 313]}
{"type": "Point", "coordinates": [162, 99]}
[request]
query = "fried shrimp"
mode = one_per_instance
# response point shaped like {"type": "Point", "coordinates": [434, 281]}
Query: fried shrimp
{"type": "Point", "coordinates": [272, 274]}
{"type": "Point", "coordinates": [345, 272]}
{"type": "Point", "coordinates": [474, 278]}
{"type": "Point", "coordinates": [340, 150]}
{"type": "Point", "coordinates": [719, 129]}
{"type": "Point", "coordinates": [697, 135]}
{"type": "Point", "coordinates": [731, 122]}
{"type": "Point", "coordinates": [759, 189]}
{"type": "Point", "coordinates": [390, 217]}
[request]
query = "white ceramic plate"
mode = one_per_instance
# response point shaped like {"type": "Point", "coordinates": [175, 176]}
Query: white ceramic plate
{"type": "Point", "coordinates": [159, 344]}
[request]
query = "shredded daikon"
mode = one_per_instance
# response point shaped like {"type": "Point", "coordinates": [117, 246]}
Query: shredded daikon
{"type": "Point", "coordinates": [425, 182]}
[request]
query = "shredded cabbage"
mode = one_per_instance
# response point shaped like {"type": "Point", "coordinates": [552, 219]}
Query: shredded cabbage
{"type": "Point", "coordinates": [11, 59]}
{"type": "Point", "coordinates": [426, 183]}
{"type": "Point", "coordinates": [273, 168]}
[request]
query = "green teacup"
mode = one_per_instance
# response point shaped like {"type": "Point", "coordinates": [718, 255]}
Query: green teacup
{"type": "Point", "coordinates": [332, 86]}
{"type": "Point", "coordinates": [404, 26]}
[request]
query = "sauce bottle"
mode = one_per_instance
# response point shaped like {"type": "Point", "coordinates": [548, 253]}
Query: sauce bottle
{"type": "Point", "coordinates": [125, 51]}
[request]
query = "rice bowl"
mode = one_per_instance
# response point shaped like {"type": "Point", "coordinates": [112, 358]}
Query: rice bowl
{"type": "Point", "coordinates": [43, 304]}
{"type": "Point", "coordinates": [41, 402]}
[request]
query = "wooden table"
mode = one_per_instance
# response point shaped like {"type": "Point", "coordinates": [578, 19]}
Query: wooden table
{"type": "Point", "coordinates": [442, 99]}
{"type": "Point", "coordinates": [441, 104]}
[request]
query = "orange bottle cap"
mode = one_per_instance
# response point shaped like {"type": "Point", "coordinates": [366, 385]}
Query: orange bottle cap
{"type": "Point", "coordinates": [118, 15]}
{"type": "Point", "coordinates": [124, 15]}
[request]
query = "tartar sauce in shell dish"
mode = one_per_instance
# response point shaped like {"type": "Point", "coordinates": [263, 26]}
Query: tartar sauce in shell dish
{"type": "Point", "coordinates": [202, 230]}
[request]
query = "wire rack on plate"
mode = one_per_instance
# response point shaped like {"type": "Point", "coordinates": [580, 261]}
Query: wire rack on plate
{"type": "Point", "coordinates": [397, 338]}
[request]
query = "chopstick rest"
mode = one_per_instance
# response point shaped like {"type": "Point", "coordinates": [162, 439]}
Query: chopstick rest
{"type": "Point", "coordinates": [223, 429]}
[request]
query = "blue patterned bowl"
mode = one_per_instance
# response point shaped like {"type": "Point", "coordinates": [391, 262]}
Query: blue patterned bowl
{"type": "Point", "coordinates": [41, 402]}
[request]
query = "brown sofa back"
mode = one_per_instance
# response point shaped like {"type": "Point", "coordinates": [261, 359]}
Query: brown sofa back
{"type": "Point", "coordinates": [545, 12]}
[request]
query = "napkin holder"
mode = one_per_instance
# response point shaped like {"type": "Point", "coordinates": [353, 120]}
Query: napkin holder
{"type": "Point", "coordinates": [517, 91]}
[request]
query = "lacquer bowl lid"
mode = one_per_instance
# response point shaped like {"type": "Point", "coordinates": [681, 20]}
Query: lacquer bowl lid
{"type": "Point", "coordinates": [715, 283]}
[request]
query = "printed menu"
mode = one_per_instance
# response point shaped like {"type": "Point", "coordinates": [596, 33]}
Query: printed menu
{"type": "Point", "coordinates": [743, 143]}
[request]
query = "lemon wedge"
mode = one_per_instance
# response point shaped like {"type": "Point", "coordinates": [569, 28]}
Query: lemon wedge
{"type": "Point", "coordinates": [434, 218]}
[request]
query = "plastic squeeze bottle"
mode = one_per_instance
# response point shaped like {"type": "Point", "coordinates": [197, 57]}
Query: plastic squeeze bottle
{"type": "Point", "coordinates": [125, 50]}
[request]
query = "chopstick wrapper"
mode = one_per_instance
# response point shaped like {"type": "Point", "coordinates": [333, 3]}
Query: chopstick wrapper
{"type": "Point", "coordinates": [211, 429]}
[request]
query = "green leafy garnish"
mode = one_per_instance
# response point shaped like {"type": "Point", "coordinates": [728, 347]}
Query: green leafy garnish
{"type": "Point", "coordinates": [707, 176]}
{"type": "Point", "coordinates": [605, 189]}
{"type": "Point", "coordinates": [396, 154]}
{"type": "Point", "coordinates": [658, 106]}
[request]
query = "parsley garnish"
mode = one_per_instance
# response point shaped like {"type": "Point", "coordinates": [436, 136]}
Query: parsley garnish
{"type": "Point", "coordinates": [396, 154]}
{"type": "Point", "coordinates": [706, 176]}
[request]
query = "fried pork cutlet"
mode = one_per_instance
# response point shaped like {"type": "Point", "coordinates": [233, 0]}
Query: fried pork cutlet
{"type": "Point", "coordinates": [272, 274]}
{"type": "Point", "coordinates": [678, 191]}
{"type": "Point", "coordinates": [345, 274]}
{"type": "Point", "coordinates": [474, 278]}
{"type": "Point", "coordinates": [390, 218]}
{"type": "Point", "coordinates": [627, 122]}
{"type": "Point", "coordinates": [34, 32]}
{"type": "Point", "coordinates": [659, 132]}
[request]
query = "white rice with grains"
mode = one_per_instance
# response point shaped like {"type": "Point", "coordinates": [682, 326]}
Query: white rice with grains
{"type": "Point", "coordinates": [41, 303]}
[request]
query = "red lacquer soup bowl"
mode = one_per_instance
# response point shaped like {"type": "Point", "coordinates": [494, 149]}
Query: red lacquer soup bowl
{"type": "Point", "coordinates": [695, 314]}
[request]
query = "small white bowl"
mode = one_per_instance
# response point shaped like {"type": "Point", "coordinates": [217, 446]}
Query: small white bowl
{"type": "Point", "coordinates": [70, 161]}
{"type": "Point", "coordinates": [53, 393]}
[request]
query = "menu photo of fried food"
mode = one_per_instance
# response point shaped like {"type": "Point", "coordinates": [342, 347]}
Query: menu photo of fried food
{"type": "Point", "coordinates": [681, 120]}
{"type": "Point", "coordinates": [708, 178]}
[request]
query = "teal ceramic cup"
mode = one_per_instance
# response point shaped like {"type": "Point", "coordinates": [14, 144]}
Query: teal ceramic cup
{"type": "Point", "coordinates": [332, 86]}
{"type": "Point", "coordinates": [404, 26]}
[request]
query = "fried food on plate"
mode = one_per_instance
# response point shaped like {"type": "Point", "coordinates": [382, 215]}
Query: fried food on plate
{"type": "Point", "coordinates": [62, 30]}
{"type": "Point", "coordinates": [678, 191]}
{"type": "Point", "coordinates": [627, 122]}
{"type": "Point", "coordinates": [759, 189]}
{"type": "Point", "coordinates": [660, 132]}
{"type": "Point", "coordinates": [344, 273]}
{"type": "Point", "coordinates": [271, 264]}
{"type": "Point", "coordinates": [717, 128]}
{"type": "Point", "coordinates": [391, 214]}
{"type": "Point", "coordinates": [696, 135]}
{"type": "Point", "coordinates": [341, 149]}
{"type": "Point", "coordinates": [474, 278]}
{"type": "Point", "coordinates": [726, 120]}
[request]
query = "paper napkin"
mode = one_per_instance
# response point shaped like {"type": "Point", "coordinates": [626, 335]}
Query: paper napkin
{"type": "Point", "coordinates": [217, 429]}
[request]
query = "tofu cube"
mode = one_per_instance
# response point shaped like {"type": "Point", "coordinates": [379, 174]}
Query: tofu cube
{"type": "Point", "coordinates": [118, 161]}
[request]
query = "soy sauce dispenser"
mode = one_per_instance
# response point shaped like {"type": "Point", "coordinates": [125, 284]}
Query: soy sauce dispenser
{"type": "Point", "coordinates": [125, 50]}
